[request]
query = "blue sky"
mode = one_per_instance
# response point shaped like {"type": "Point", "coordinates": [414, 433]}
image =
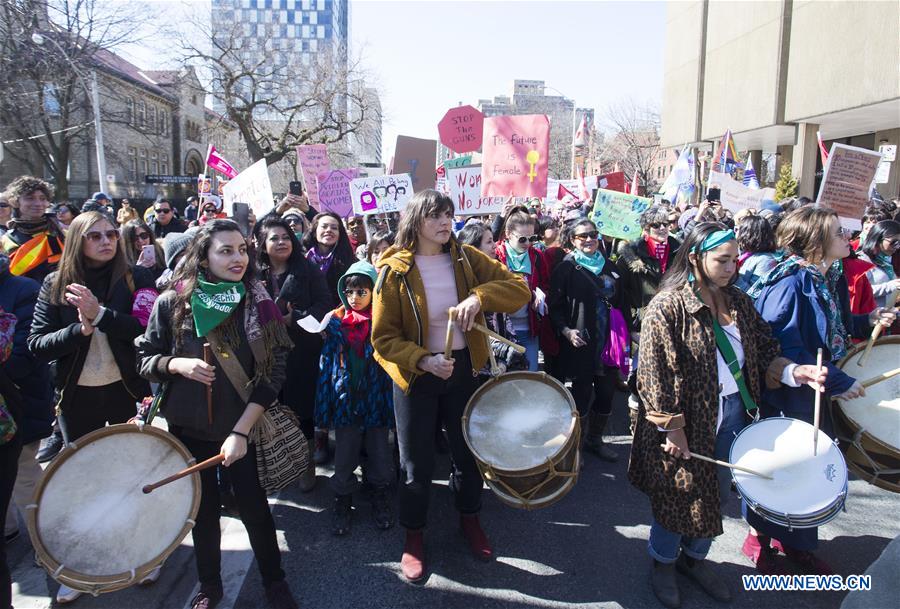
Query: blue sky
{"type": "Point", "coordinates": [426, 56]}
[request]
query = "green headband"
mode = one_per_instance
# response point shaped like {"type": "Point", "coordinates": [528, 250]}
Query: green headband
{"type": "Point", "coordinates": [714, 240]}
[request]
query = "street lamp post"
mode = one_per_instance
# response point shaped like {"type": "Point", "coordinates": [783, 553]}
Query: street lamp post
{"type": "Point", "coordinates": [94, 95]}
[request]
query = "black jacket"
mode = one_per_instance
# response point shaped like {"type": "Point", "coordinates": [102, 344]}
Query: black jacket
{"type": "Point", "coordinates": [641, 274]}
{"type": "Point", "coordinates": [185, 404]}
{"type": "Point", "coordinates": [56, 336]}
{"type": "Point", "coordinates": [175, 225]}
{"type": "Point", "coordinates": [30, 376]}
{"type": "Point", "coordinates": [305, 288]}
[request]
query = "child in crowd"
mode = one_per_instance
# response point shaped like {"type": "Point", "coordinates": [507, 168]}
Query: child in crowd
{"type": "Point", "coordinates": [354, 397]}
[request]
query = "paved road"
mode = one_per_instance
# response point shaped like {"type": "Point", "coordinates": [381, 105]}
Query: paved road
{"type": "Point", "coordinates": [589, 550]}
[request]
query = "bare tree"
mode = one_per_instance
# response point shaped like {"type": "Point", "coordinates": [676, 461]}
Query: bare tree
{"type": "Point", "coordinates": [633, 140]}
{"type": "Point", "coordinates": [48, 49]}
{"type": "Point", "coordinates": [279, 98]}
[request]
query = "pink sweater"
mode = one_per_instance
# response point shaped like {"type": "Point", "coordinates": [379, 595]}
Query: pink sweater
{"type": "Point", "coordinates": [440, 295]}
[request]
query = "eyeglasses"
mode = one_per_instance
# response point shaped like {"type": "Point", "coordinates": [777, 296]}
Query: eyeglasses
{"type": "Point", "coordinates": [95, 236]}
{"type": "Point", "coordinates": [143, 236]}
{"type": "Point", "coordinates": [209, 210]}
{"type": "Point", "coordinates": [162, 210]}
{"type": "Point", "coordinates": [658, 225]}
{"type": "Point", "coordinates": [362, 293]}
{"type": "Point", "coordinates": [585, 236]}
{"type": "Point", "coordinates": [524, 240]}
{"type": "Point", "coordinates": [293, 220]}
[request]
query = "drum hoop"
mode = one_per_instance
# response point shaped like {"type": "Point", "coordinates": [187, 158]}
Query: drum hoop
{"type": "Point", "coordinates": [836, 404]}
{"type": "Point", "coordinates": [96, 584]}
{"type": "Point", "coordinates": [754, 503]}
{"type": "Point", "coordinates": [557, 457]}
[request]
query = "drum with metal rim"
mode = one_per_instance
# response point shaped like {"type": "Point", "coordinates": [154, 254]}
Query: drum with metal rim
{"type": "Point", "coordinates": [91, 526]}
{"type": "Point", "coordinates": [806, 490]}
{"type": "Point", "coordinates": [868, 427]}
{"type": "Point", "coordinates": [523, 429]}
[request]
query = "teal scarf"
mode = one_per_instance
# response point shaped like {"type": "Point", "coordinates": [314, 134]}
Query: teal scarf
{"type": "Point", "coordinates": [212, 303]}
{"type": "Point", "coordinates": [883, 262]}
{"type": "Point", "coordinates": [517, 263]}
{"type": "Point", "coordinates": [593, 263]}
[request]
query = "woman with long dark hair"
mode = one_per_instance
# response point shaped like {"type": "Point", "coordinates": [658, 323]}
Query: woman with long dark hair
{"type": "Point", "coordinates": [705, 354]}
{"type": "Point", "coordinates": [299, 289]}
{"type": "Point", "coordinates": [583, 288]}
{"type": "Point", "coordinates": [423, 275]}
{"type": "Point", "coordinates": [881, 243]}
{"type": "Point", "coordinates": [136, 237]}
{"type": "Point", "coordinates": [756, 241]}
{"type": "Point", "coordinates": [217, 299]}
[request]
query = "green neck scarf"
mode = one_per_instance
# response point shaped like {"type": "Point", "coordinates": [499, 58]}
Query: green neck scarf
{"type": "Point", "coordinates": [212, 303]}
{"type": "Point", "coordinates": [517, 262]}
{"type": "Point", "coordinates": [593, 263]}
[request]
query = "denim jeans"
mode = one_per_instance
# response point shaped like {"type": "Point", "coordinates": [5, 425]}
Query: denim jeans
{"type": "Point", "coordinates": [664, 544]}
{"type": "Point", "coordinates": [531, 344]}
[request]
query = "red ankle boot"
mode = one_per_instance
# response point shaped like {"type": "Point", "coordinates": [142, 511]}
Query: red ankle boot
{"type": "Point", "coordinates": [757, 549]}
{"type": "Point", "coordinates": [473, 533]}
{"type": "Point", "coordinates": [412, 564]}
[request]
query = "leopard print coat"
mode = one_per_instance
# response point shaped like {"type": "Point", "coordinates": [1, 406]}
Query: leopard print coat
{"type": "Point", "coordinates": [677, 382]}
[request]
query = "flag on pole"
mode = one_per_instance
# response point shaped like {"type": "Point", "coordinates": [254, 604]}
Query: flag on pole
{"type": "Point", "coordinates": [215, 161]}
{"type": "Point", "coordinates": [563, 192]}
{"type": "Point", "coordinates": [726, 158]}
{"type": "Point", "coordinates": [585, 192]}
{"type": "Point", "coordinates": [680, 180]}
{"type": "Point", "coordinates": [822, 150]}
{"type": "Point", "coordinates": [581, 132]}
{"type": "Point", "coordinates": [750, 180]}
{"type": "Point", "coordinates": [634, 184]}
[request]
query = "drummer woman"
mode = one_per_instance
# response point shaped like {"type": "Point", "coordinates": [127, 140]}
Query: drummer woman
{"type": "Point", "coordinates": [805, 300]}
{"type": "Point", "coordinates": [422, 276]}
{"type": "Point", "coordinates": [691, 401]}
{"type": "Point", "coordinates": [217, 299]}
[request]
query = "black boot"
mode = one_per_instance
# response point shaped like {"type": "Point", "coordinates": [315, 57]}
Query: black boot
{"type": "Point", "coordinates": [340, 517]}
{"type": "Point", "coordinates": [594, 442]}
{"type": "Point", "coordinates": [382, 508]}
{"type": "Point", "coordinates": [665, 587]}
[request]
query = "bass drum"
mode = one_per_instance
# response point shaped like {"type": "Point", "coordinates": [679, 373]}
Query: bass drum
{"type": "Point", "coordinates": [523, 429]}
{"type": "Point", "coordinates": [92, 527]}
{"type": "Point", "coordinates": [869, 427]}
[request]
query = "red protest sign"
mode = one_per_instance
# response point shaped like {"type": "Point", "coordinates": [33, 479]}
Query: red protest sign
{"type": "Point", "coordinates": [461, 129]}
{"type": "Point", "coordinates": [515, 155]}
{"type": "Point", "coordinates": [612, 181]}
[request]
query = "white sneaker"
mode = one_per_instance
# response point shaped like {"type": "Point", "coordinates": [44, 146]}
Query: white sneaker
{"type": "Point", "coordinates": [67, 595]}
{"type": "Point", "coordinates": [151, 577]}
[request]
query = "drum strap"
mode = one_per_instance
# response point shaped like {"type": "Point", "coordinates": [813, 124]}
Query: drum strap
{"type": "Point", "coordinates": [230, 365]}
{"type": "Point", "coordinates": [727, 351]}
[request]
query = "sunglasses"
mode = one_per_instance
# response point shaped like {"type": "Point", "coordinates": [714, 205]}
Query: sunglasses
{"type": "Point", "coordinates": [95, 236]}
{"type": "Point", "coordinates": [162, 210]}
{"type": "Point", "coordinates": [4, 205]}
{"type": "Point", "coordinates": [893, 242]}
{"type": "Point", "coordinates": [143, 236]}
{"type": "Point", "coordinates": [589, 235]}
{"type": "Point", "coordinates": [362, 293]}
{"type": "Point", "coordinates": [524, 240]}
{"type": "Point", "coordinates": [209, 210]}
{"type": "Point", "coordinates": [658, 225]}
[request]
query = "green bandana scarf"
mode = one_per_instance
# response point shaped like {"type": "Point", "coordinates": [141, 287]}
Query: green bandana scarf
{"type": "Point", "coordinates": [212, 303]}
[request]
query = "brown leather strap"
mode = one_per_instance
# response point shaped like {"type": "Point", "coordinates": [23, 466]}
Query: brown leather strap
{"type": "Point", "coordinates": [230, 365]}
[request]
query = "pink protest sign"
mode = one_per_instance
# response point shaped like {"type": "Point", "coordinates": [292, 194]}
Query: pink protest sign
{"type": "Point", "coordinates": [311, 161]}
{"type": "Point", "coordinates": [461, 129]}
{"type": "Point", "coordinates": [334, 191]}
{"type": "Point", "coordinates": [515, 155]}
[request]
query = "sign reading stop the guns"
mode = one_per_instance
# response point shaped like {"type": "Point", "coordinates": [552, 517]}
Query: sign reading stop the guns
{"type": "Point", "coordinates": [461, 129]}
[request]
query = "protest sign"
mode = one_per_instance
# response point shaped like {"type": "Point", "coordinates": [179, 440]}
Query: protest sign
{"type": "Point", "coordinates": [612, 181]}
{"type": "Point", "coordinates": [251, 186]}
{"type": "Point", "coordinates": [848, 176]}
{"type": "Point", "coordinates": [465, 190]}
{"type": "Point", "coordinates": [574, 187]}
{"type": "Point", "coordinates": [378, 195]}
{"type": "Point", "coordinates": [516, 150]}
{"type": "Point", "coordinates": [417, 158]}
{"type": "Point", "coordinates": [216, 161]}
{"type": "Point", "coordinates": [734, 196]}
{"type": "Point", "coordinates": [617, 214]}
{"type": "Point", "coordinates": [461, 129]}
{"type": "Point", "coordinates": [311, 161]}
{"type": "Point", "coordinates": [334, 191]}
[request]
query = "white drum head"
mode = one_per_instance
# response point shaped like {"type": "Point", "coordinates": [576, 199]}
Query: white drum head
{"type": "Point", "coordinates": [878, 413]}
{"type": "Point", "coordinates": [519, 423]}
{"type": "Point", "coordinates": [92, 516]}
{"type": "Point", "coordinates": [783, 448]}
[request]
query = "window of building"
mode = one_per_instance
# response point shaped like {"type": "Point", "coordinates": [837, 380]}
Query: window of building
{"type": "Point", "coordinates": [164, 164]}
{"type": "Point", "coordinates": [142, 114]}
{"type": "Point", "coordinates": [129, 110]}
{"type": "Point", "coordinates": [194, 99]}
{"type": "Point", "coordinates": [320, 31]}
{"type": "Point", "coordinates": [132, 165]}
{"type": "Point", "coordinates": [314, 17]}
{"type": "Point", "coordinates": [163, 122]}
{"type": "Point", "coordinates": [152, 119]}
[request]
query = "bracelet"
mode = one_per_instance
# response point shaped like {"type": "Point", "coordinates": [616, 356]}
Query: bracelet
{"type": "Point", "coordinates": [243, 435]}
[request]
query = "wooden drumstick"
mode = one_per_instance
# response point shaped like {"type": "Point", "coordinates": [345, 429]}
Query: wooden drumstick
{"type": "Point", "coordinates": [881, 377]}
{"type": "Point", "coordinates": [818, 406]}
{"type": "Point", "coordinates": [731, 465]}
{"type": "Point", "coordinates": [207, 358]}
{"type": "Point", "coordinates": [185, 472]}
{"type": "Point", "coordinates": [485, 330]}
{"type": "Point", "coordinates": [876, 331]}
{"type": "Point", "coordinates": [448, 346]}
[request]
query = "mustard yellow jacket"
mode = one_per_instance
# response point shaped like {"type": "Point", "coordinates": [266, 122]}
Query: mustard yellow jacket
{"type": "Point", "coordinates": [400, 313]}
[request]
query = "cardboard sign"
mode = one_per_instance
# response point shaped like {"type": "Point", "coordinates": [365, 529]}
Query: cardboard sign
{"type": "Point", "coordinates": [334, 191]}
{"type": "Point", "coordinates": [617, 214]}
{"type": "Point", "coordinates": [311, 161]}
{"type": "Point", "coordinates": [848, 176]}
{"type": "Point", "coordinates": [251, 186]}
{"type": "Point", "coordinates": [735, 196]}
{"type": "Point", "coordinates": [381, 194]}
{"type": "Point", "coordinates": [417, 158]}
{"type": "Point", "coordinates": [516, 151]}
{"type": "Point", "coordinates": [461, 129]}
{"type": "Point", "coordinates": [465, 190]}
